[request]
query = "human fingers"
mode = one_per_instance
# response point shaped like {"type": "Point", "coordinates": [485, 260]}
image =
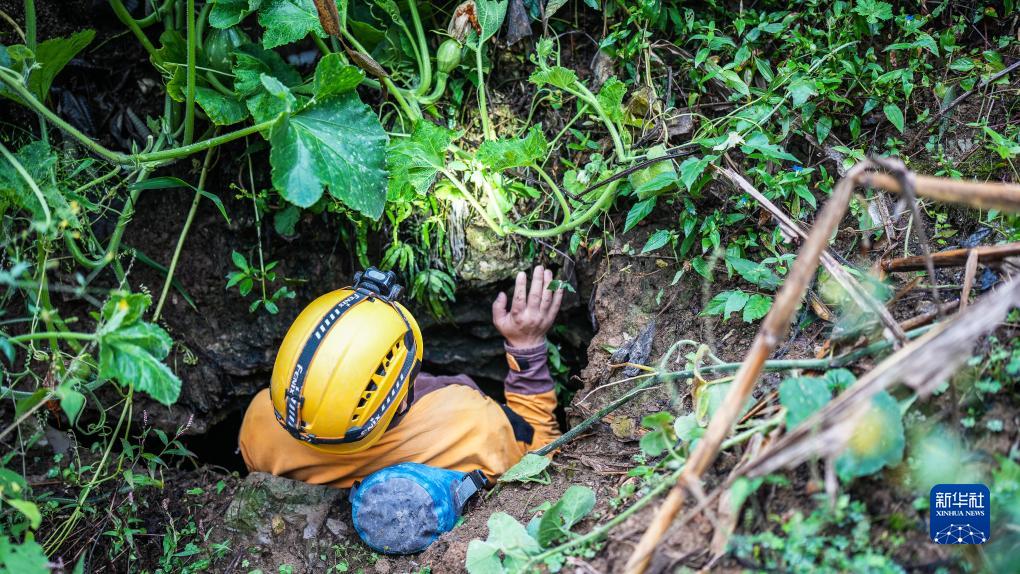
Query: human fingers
{"type": "Point", "coordinates": [499, 311]}
{"type": "Point", "coordinates": [547, 295]}
{"type": "Point", "coordinates": [549, 317]}
{"type": "Point", "coordinates": [520, 294]}
{"type": "Point", "coordinates": [535, 296]}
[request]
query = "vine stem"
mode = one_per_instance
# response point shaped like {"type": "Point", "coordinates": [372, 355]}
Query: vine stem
{"type": "Point", "coordinates": [184, 151]}
{"type": "Point", "coordinates": [125, 17]}
{"type": "Point", "coordinates": [556, 191]}
{"type": "Point", "coordinates": [118, 232]}
{"type": "Point", "coordinates": [184, 234]}
{"type": "Point", "coordinates": [426, 61]}
{"type": "Point", "coordinates": [189, 102]}
{"type": "Point", "coordinates": [585, 94]}
{"type": "Point", "coordinates": [258, 227]}
{"type": "Point", "coordinates": [13, 81]}
{"type": "Point", "coordinates": [30, 27]}
{"type": "Point", "coordinates": [437, 90]}
{"type": "Point", "coordinates": [149, 159]}
{"type": "Point", "coordinates": [31, 38]}
{"type": "Point", "coordinates": [601, 204]}
{"type": "Point", "coordinates": [157, 11]}
{"type": "Point", "coordinates": [483, 110]}
{"type": "Point", "coordinates": [54, 542]}
{"type": "Point", "coordinates": [321, 45]}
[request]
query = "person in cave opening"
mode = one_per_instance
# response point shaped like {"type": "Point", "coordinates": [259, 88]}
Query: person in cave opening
{"type": "Point", "coordinates": [347, 398]}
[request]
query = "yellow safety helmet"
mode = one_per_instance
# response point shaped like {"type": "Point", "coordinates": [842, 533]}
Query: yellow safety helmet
{"type": "Point", "coordinates": [346, 365]}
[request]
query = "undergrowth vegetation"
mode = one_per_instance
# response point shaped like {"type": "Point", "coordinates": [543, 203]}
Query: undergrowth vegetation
{"type": "Point", "coordinates": [381, 115]}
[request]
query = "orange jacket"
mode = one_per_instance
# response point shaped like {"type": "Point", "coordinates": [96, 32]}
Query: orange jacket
{"type": "Point", "coordinates": [451, 424]}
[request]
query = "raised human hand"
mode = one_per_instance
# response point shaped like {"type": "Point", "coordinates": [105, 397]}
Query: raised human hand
{"type": "Point", "coordinates": [531, 313]}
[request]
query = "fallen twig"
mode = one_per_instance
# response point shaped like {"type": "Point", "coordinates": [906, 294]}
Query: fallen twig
{"type": "Point", "coordinates": [969, 271]}
{"type": "Point", "coordinates": [928, 317]}
{"type": "Point", "coordinates": [953, 257]}
{"type": "Point", "coordinates": [978, 194]}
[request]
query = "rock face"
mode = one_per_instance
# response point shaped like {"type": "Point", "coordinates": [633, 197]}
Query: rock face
{"type": "Point", "coordinates": [278, 522]}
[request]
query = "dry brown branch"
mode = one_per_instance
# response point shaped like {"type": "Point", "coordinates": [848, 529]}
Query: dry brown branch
{"type": "Point", "coordinates": [982, 195]}
{"type": "Point", "coordinates": [925, 318]}
{"type": "Point", "coordinates": [923, 365]}
{"type": "Point", "coordinates": [776, 324]}
{"type": "Point", "coordinates": [970, 270]}
{"type": "Point", "coordinates": [850, 285]}
{"type": "Point", "coordinates": [953, 257]}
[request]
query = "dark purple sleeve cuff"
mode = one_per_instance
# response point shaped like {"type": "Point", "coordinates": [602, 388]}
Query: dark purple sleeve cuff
{"type": "Point", "coordinates": [529, 370]}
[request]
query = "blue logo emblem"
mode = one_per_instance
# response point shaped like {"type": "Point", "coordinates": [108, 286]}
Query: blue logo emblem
{"type": "Point", "coordinates": [960, 514]}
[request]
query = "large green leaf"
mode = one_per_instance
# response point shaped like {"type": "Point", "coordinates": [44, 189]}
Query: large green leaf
{"type": "Point", "coordinates": [638, 212]}
{"type": "Point", "coordinates": [801, 90]}
{"type": "Point", "coordinates": [334, 77]}
{"type": "Point", "coordinates": [802, 397]}
{"type": "Point", "coordinates": [757, 144]}
{"type": "Point", "coordinates": [38, 160]}
{"type": "Point", "coordinates": [754, 272]}
{"type": "Point", "coordinates": [222, 110]}
{"type": "Point", "coordinates": [251, 62]}
{"type": "Point", "coordinates": [656, 178]}
{"type": "Point", "coordinates": [336, 143]}
{"type": "Point", "coordinates": [510, 536]}
{"type": "Point", "coordinates": [498, 155]}
{"type": "Point", "coordinates": [174, 55]}
{"type": "Point", "coordinates": [895, 115]}
{"type": "Point", "coordinates": [876, 441]}
{"type": "Point", "coordinates": [757, 307]}
{"type": "Point", "coordinates": [415, 161]}
{"type": "Point", "coordinates": [287, 21]}
{"type": "Point", "coordinates": [660, 437]}
{"type": "Point", "coordinates": [530, 468]}
{"type": "Point", "coordinates": [131, 351]}
{"type": "Point", "coordinates": [490, 16]}
{"type": "Point", "coordinates": [562, 78]}
{"type": "Point", "coordinates": [274, 99]}
{"type": "Point", "coordinates": [71, 401]}
{"type": "Point", "coordinates": [692, 169]}
{"type": "Point", "coordinates": [133, 356]}
{"type": "Point", "coordinates": [574, 505]}
{"type": "Point", "coordinates": [52, 55]}
{"type": "Point", "coordinates": [24, 558]}
{"type": "Point", "coordinates": [483, 558]}
{"type": "Point", "coordinates": [28, 509]}
{"type": "Point", "coordinates": [611, 98]}
{"type": "Point", "coordinates": [227, 13]}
